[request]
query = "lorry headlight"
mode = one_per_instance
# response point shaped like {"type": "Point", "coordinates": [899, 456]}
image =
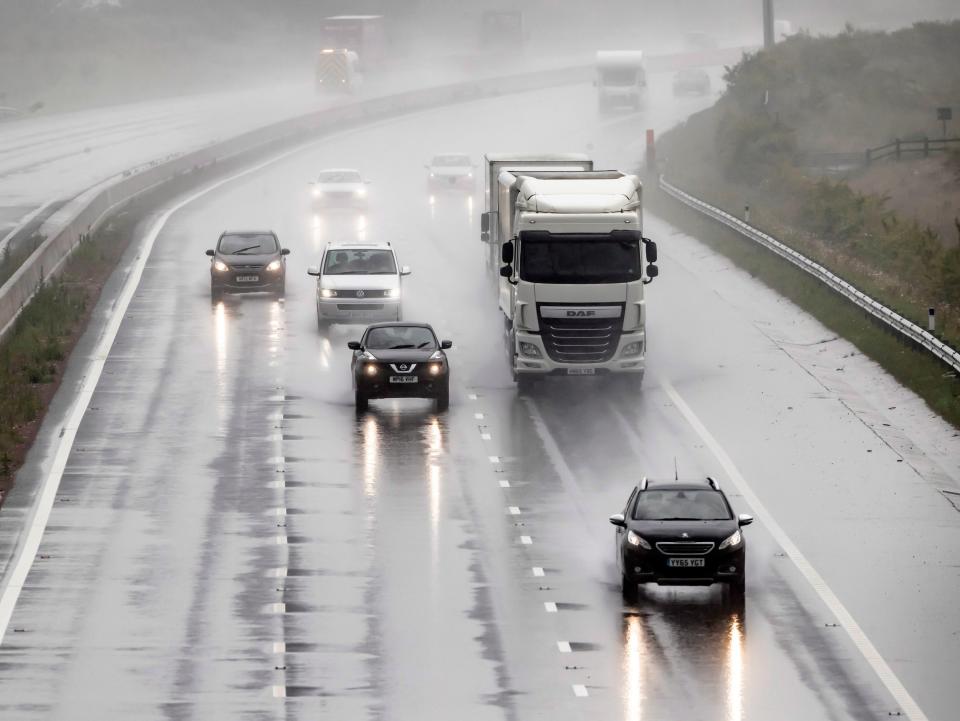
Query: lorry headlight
{"type": "Point", "coordinates": [316, 192]}
{"type": "Point", "coordinates": [328, 293]}
{"type": "Point", "coordinates": [220, 266]}
{"type": "Point", "coordinates": [634, 540]}
{"type": "Point", "coordinates": [632, 349]}
{"type": "Point", "coordinates": [273, 266]}
{"type": "Point", "coordinates": [530, 350]}
{"type": "Point", "coordinates": [732, 541]}
{"type": "Point", "coordinates": [360, 192]}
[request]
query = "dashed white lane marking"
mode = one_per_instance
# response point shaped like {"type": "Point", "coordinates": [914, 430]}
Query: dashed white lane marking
{"type": "Point", "coordinates": [504, 484]}
{"type": "Point", "coordinates": [493, 459]}
{"type": "Point", "coordinates": [280, 540]}
{"type": "Point", "coordinates": [485, 437]}
{"type": "Point", "coordinates": [275, 437]}
{"type": "Point", "coordinates": [579, 690]}
{"type": "Point", "coordinates": [277, 609]}
{"type": "Point", "coordinates": [277, 398]}
{"type": "Point", "coordinates": [538, 572]}
{"type": "Point", "coordinates": [514, 510]}
{"type": "Point", "coordinates": [276, 484]}
{"type": "Point", "coordinates": [279, 647]}
{"type": "Point", "coordinates": [278, 573]}
{"type": "Point", "coordinates": [276, 460]}
{"type": "Point", "coordinates": [526, 540]}
{"type": "Point", "coordinates": [549, 606]}
{"type": "Point", "coordinates": [478, 416]}
{"type": "Point", "coordinates": [277, 416]}
{"type": "Point", "coordinates": [829, 598]}
{"type": "Point", "coordinates": [472, 396]}
{"type": "Point", "coordinates": [279, 691]}
{"type": "Point", "coordinates": [564, 647]}
{"type": "Point", "coordinates": [277, 512]}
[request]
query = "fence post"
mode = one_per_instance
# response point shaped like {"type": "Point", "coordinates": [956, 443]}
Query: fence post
{"type": "Point", "coordinates": [926, 146]}
{"type": "Point", "coordinates": [866, 155]}
{"type": "Point", "coordinates": [932, 319]}
{"type": "Point", "coordinates": [897, 141]}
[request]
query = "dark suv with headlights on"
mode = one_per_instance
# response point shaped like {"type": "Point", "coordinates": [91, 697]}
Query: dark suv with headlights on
{"type": "Point", "coordinates": [248, 261]}
{"type": "Point", "coordinates": [680, 533]}
{"type": "Point", "coordinates": [400, 360]}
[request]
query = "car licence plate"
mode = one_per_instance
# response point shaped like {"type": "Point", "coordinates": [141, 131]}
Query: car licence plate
{"type": "Point", "coordinates": [685, 562]}
{"type": "Point", "coordinates": [404, 379]}
{"type": "Point", "coordinates": [248, 278]}
{"type": "Point", "coordinates": [581, 371]}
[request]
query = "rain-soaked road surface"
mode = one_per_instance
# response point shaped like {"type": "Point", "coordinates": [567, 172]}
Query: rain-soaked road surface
{"type": "Point", "coordinates": [230, 541]}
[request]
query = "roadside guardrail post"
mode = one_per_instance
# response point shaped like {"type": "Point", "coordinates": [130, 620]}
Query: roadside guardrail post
{"type": "Point", "coordinates": [931, 319]}
{"type": "Point", "coordinates": [746, 213]}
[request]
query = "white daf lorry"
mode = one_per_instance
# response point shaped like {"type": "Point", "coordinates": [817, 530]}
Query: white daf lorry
{"type": "Point", "coordinates": [573, 264]}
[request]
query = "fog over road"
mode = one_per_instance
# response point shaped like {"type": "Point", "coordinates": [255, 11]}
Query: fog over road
{"type": "Point", "coordinates": [231, 541]}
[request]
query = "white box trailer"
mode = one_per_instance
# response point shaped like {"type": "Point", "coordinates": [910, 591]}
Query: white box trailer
{"type": "Point", "coordinates": [572, 269]}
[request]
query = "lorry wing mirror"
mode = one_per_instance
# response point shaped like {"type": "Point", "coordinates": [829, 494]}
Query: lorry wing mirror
{"type": "Point", "coordinates": [652, 272]}
{"type": "Point", "coordinates": [506, 271]}
{"type": "Point", "coordinates": [506, 253]}
{"type": "Point", "coordinates": [651, 250]}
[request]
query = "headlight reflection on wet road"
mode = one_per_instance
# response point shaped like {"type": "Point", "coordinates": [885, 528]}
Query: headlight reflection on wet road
{"type": "Point", "coordinates": [634, 663]}
{"type": "Point", "coordinates": [735, 670]}
{"type": "Point", "coordinates": [371, 455]}
{"type": "Point", "coordinates": [434, 442]}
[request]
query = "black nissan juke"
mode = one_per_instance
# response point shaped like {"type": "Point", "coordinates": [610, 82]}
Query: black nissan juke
{"type": "Point", "coordinates": [680, 533]}
{"type": "Point", "coordinates": [400, 360]}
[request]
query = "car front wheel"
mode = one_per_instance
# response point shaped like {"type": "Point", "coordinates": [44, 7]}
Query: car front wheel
{"type": "Point", "coordinates": [360, 401]}
{"type": "Point", "coordinates": [629, 588]}
{"type": "Point", "coordinates": [443, 399]}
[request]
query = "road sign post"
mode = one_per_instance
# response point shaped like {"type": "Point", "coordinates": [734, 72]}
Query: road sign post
{"type": "Point", "coordinates": [943, 115]}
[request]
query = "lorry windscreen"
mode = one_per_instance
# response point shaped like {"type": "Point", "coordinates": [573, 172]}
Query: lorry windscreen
{"type": "Point", "coordinates": [618, 77]}
{"type": "Point", "coordinates": [579, 259]}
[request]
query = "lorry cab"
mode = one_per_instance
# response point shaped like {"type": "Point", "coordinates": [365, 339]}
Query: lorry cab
{"type": "Point", "coordinates": [337, 71]}
{"type": "Point", "coordinates": [621, 79]}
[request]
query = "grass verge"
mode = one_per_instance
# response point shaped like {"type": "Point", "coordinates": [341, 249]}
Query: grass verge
{"type": "Point", "coordinates": [35, 352]}
{"type": "Point", "coordinates": [913, 367]}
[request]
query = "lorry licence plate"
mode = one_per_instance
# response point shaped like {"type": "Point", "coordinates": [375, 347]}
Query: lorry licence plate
{"type": "Point", "coordinates": [685, 562]}
{"type": "Point", "coordinates": [581, 371]}
{"type": "Point", "coordinates": [404, 379]}
{"type": "Point", "coordinates": [248, 278]}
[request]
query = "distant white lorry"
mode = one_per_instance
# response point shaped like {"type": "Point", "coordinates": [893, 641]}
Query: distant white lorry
{"type": "Point", "coordinates": [573, 264]}
{"type": "Point", "coordinates": [621, 79]}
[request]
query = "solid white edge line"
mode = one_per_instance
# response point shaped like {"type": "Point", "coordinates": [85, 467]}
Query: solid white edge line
{"type": "Point", "coordinates": [15, 579]}
{"type": "Point", "coordinates": [579, 690]}
{"type": "Point", "coordinates": [829, 598]}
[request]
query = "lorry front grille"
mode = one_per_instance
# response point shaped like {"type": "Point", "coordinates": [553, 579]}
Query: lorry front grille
{"type": "Point", "coordinates": [580, 340]}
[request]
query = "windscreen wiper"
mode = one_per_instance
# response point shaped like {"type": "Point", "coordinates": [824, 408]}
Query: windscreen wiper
{"type": "Point", "coordinates": [243, 251]}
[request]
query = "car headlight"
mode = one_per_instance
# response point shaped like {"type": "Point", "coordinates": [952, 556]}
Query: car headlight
{"type": "Point", "coordinates": [469, 173]}
{"type": "Point", "coordinates": [391, 293]}
{"type": "Point", "coordinates": [631, 349]}
{"type": "Point", "coordinates": [370, 369]}
{"type": "Point", "coordinates": [433, 175]}
{"type": "Point", "coordinates": [634, 540]}
{"type": "Point", "coordinates": [220, 266]}
{"type": "Point", "coordinates": [530, 350]}
{"type": "Point", "coordinates": [328, 293]}
{"type": "Point", "coordinates": [317, 192]}
{"type": "Point", "coordinates": [435, 369]}
{"type": "Point", "coordinates": [732, 541]}
{"type": "Point", "coordinates": [360, 192]}
{"type": "Point", "coordinates": [273, 266]}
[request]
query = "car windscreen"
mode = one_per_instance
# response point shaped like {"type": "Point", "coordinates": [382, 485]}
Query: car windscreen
{"type": "Point", "coordinates": [359, 261]}
{"type": "Point", "coordinates": [681, 505]}
{"type": "Point", "coordinates": [248, 244]}
{"type": "Point", "coordinates": [579, 259]}
{"type": "Point", "coordinates": [340, 176]}
{"type": "Point", "coordinates": [400, 337]}
{"type": "Point", "coordinates": [451, 161]}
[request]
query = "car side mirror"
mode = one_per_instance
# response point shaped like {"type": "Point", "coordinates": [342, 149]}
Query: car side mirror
{"type": "Point", "coordinates": [313, 270]}
{"type": "Point", "coordinates": [354, 345]}
{"type": "Point", "coordinates": [405, 270]}
{"type": "Point", "coordinates": [506, 252]}
{"type": "Point", "coordinates": [211, 253]}
{"type": "Point", "coordinates": [617, 519]}
{"type": "Point", "coordinates": [652, 272]}
{"type": "Point", "coordinates": [446, 344]}
{"type": "Point", "coordinates": [506, 271]}
{"type": "Point", "coordinates": [744, 519]}
{"type": "Point", "coordinates": [285, 251]}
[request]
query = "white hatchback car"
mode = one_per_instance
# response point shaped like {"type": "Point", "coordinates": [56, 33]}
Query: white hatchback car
{"type": "Point", "coordinates": [450, 170]}
{"type": "Point", "coordinates": [358, 283]}
{"type": "Point", "coordinates": [339, 188]}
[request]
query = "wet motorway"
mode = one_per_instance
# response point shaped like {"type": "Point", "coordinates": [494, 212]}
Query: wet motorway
{"type": "Point", "coordinates": [231, 541]}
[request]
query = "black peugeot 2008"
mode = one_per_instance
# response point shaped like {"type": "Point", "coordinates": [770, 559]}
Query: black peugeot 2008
{"type": "Point", "coordinates": [680, 533]}
{"type": "Point", "coordinates": [248, 261]}
{"type": "Point", "coordinates": [400, 360]}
